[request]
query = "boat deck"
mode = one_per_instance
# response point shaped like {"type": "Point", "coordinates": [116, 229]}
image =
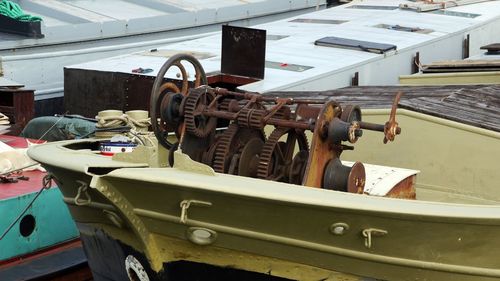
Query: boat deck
{"type": "Point", "coordinates": [476, 105]}
{"type": "Point", "coordinates": [22, 187]}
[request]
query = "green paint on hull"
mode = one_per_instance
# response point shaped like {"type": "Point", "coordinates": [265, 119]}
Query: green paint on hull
{"type": "Point", "coordinates": [53, 223]}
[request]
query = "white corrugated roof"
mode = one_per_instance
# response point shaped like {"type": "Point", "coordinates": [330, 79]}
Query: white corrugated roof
{"type": "Point", "coordinates": [77, 20]}
{"type": "Point", "coordinates": [297, 47]}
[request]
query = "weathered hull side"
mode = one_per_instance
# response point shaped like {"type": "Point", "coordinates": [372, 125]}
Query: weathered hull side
{"type": "Point", "coordinates": [417, 246]}
{"type": "Point", "coordinates": [107, 255]}
{"type": "Point", "coordinates": [107, 244]}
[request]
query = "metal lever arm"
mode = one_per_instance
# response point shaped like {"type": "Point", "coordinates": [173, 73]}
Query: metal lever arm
{"type": "Point", "coordinates": [390, 128]}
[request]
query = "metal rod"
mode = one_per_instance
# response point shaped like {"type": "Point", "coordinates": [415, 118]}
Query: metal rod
{"type": "Point", "coordinates": [260, 97]}
{"type": "Point", "coordinates": [371, 126]}
{"type": "Point", "coordinates": [271, 121]}
{"type": "Point", "coordinates": [220, 114]}
{"type": "Point", "coordinates": [18, 169]}
{"type": "Point", "coordinates": [291, 124]}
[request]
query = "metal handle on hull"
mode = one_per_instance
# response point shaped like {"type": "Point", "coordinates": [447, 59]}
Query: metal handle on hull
{"type": "Point", "coordinates": [82, 190]}
{"type": "Point", "coordinates": [185, 204]}
{"type": "Point", "coordinates": [368, 232]}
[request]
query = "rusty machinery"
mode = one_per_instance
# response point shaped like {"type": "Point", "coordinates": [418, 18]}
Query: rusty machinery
{"type": "Point", "coordinates": [243, 148]}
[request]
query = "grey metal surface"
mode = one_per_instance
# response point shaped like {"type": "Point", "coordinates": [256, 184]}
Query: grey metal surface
{"type": "Point", "coordinates": [79, 20]}
{"type": "Point", "coordinates": [4, 82]}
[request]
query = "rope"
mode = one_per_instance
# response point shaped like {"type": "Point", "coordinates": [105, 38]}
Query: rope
{"type": "Point", "coordinates": [139, 129]}
{"type": "Point", "coordinates": [106, 126]}
{"type": "Point", "coordinates": [13, 10]}
{"type": "Point", "coordinates": [51, 127]}
{"type": "Point", "coordinates": [139, 124]}
{"type": "Point", "coordinates": [111, 122]}
{"type": "Point", "coordinates": [136, 130]}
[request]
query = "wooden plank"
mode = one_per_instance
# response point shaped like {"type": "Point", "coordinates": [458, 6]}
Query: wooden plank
{"type": "Point", "coordinates": [464, 63]}
{"type": "Point", "coordinates": [422, 6]}
{"type": "Point", "coordinates": [449, 70]}
{"type": "Point", "coordinates": [476, 105]}
{"type": "Point", "coordinates": [451, 112]}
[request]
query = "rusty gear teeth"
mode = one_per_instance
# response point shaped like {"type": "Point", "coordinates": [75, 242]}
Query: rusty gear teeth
{"type": "Point", "coordinates": [224, 105]}
{"type": "Point", "coordinates": [267, 153]}
{"type": "Point", "coordinates": [222, 150]}
{"type": "Point", "coordinates": [251, 118]}
{"type": "Point", "coordinates": [194, 100]}
{"type": "Point", "coordinates": [264, 170]}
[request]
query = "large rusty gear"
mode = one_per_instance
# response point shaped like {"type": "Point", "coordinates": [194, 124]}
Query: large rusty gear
{"type": "Point", "coordinates": [230, 144]}
{"type": "Point", "coordinates": [298, 167]}
{"type": "Point", "coordinates": [197, 123]}
{"type": "Point", "coordinates": [209, 155]}
{"type": "Point", "coordinates": [276, 157]}
{"type": "Point", "coordinates": [249, 157]}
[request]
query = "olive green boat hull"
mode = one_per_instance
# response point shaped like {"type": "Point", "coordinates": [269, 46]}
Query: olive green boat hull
{"type": "Point", "coordinates": [451, 233]}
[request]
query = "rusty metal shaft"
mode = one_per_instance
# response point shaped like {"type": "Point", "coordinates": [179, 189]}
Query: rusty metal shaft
{"type": "Point", "coordinates": [375, 127]}
{"type": "Point", "coordinates": [260, 98]}
{"type": "Point", "coordinates": [271, 121]}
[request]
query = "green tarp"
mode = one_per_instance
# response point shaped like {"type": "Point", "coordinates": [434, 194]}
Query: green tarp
{"type": "Point", "coordinates": [54, 128]}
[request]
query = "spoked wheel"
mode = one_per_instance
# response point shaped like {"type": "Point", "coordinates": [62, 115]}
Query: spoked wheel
{"type": "Point", "coordinates": [166, 98]}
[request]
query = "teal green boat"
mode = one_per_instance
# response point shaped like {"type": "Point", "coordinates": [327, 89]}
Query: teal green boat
{"type": "Point", "coordinates": [44, 239]}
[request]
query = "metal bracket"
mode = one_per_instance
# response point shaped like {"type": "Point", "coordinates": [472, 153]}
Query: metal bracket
{"type": "Point", "coordinates": [368, 232]}
{"type": "Point", "coordinates": [466, 47]}
{"type": "Point", "coordinates": [185, 204]}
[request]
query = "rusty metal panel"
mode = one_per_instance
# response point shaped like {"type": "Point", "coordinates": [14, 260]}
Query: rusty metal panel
{"type": "Point", "coordinates": [88, 92]}
{"type": "Point", "coordinates": [18, 105]}
{"type": "Point", "coordinates": [243, 51]}
{"type": "Point", "coordinates": [138, 92]}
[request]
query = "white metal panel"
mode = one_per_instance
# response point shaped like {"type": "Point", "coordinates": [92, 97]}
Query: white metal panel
{"type": "Point", "coordinates": [117, 9]}
{"type": "Point", "coordinates": [67, 20]}
{"type": "Point", "coordinates": [382, 179]}
{"type": "Point", "coordinates": [333, 67]}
